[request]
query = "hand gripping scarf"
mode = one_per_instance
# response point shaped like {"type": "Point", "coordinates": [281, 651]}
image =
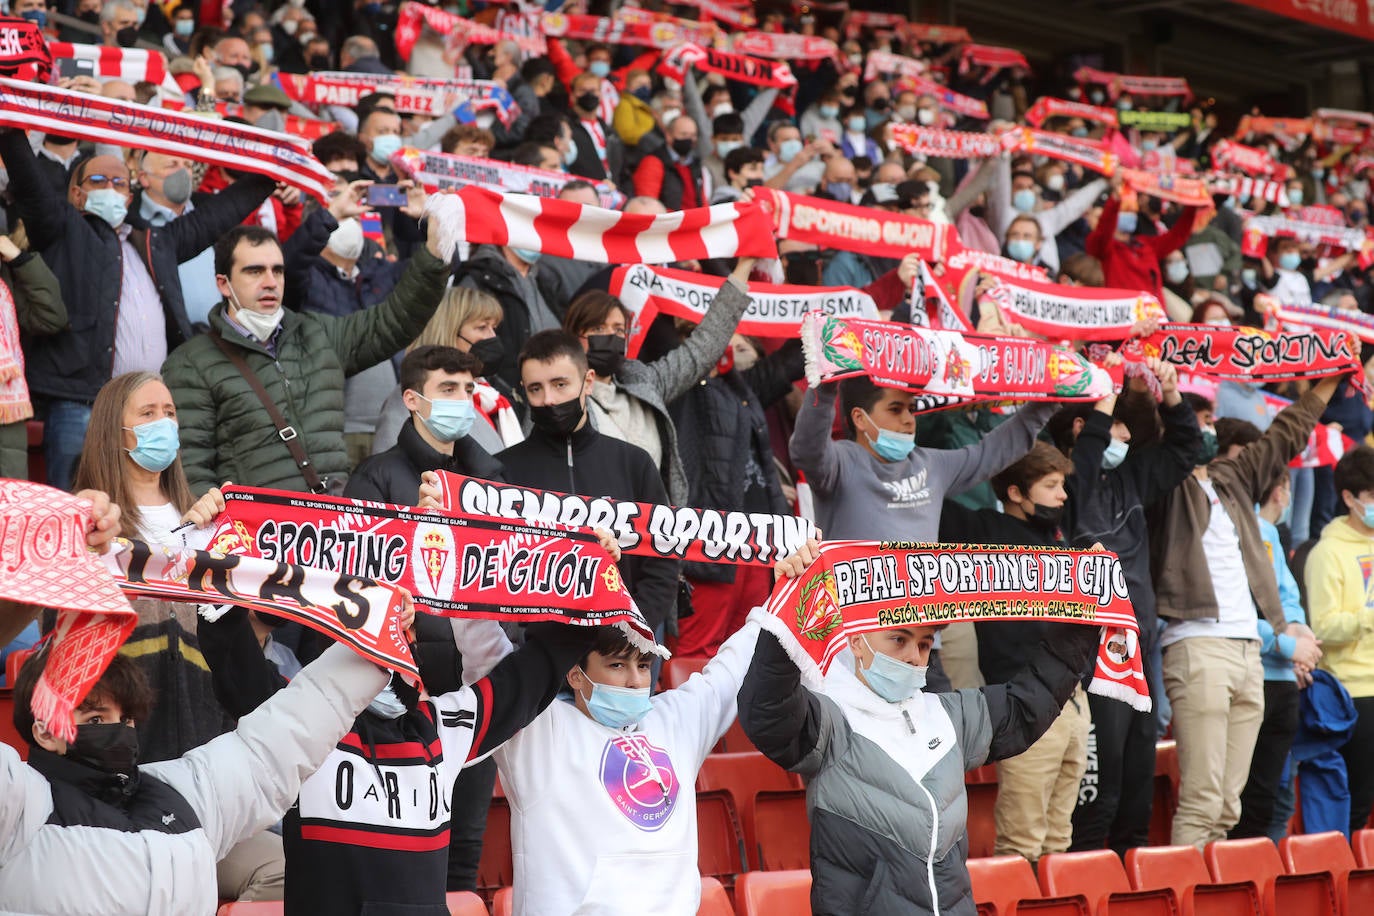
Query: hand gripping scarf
{"type": "Point", "coordinates": [858, 587]}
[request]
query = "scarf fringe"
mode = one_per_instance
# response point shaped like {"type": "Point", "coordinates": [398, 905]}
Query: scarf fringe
{"type": "Point", "coordinates": [810, 672]}
{"type": "Point", "coordinates": [52, 709]}
{"type": "Point", "coordinates": [1124, 692]}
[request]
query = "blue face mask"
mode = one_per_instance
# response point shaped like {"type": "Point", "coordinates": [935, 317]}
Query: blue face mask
{"type": "Point", "coordinates": [571, 155]}
{"type": "Point", "coordinates": [788, 149]}
{"type": "Point", "coordinates": [184, 27]}
{"type": "Point", "coordinates": [891, 446]}
{"type": "Point", "coordinates": [387, 704]}
{"type": "Point", "coordinates": [38, 17]}
{"type": "Point", "coordinates": [1079, 132]}
{"type": "Point", "coordinates": [1290, 260]}
{"type": "Point", "coordinates": [1114, 454]}
{"type": "Point", "coordinates": [599, 69]}
{"type": "Point", "coordinates": [840, 190]}
{"type": "Point", "coordinates": [1368, 518]}
{"type": "Point", "coordinates": [1249, 278]}
{"type": "Point", "coordinates": [449, 419]}
{"type": "Point", "coordinates": [1148, 146]}
{"type": "Point", "coordinates": [618, 707]}
{"type": "Point", "coordinates": [1023, 200]}
{"type": "Point", "coordinates": [1127, 221]}
{"type": "Point", "coordinates": [857, 124]}
{"type": "Point", "coordinates": [529, 257]}
{"type": "Point", "coordinates": [109, 205]}
{"type": "Point", "coordinates": [158, 444]}
{"type": "Point", "coordinates": [726, 147]}
{"type": "Point", "coordinates": [1295, 196]}
{"type": "Point", "coordinates": [384, 146]}
{"type": "Point", "coordinates": [1022, 250]}
{"type": "Point", "coordinates": [892, 680]}
{"type": "Point", "coordinates": [830, 111]}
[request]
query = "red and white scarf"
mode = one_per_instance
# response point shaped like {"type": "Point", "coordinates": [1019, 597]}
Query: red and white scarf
{"type": "Point", "coordinates": [863, 19]}
{"type": "Point", "coordinates": [132, 65]}
{"type": "Point", "coordinates": [32, 106]}
{"type": "Point", "coordinates": [946, 144]}
{"type": "Point", "coordinates": [929, 32]}
{"type": "Point", "coordinates": [1088, 153]}
{"type": "Point", "coordinates": [774, 310]}
{"type": "Point", "coordinates": [739, 15]}
{"type": "Point", "coordinates": [751, 70]}
{"type": "Point", "coordinates": [1046, 107]}
{"type": "Point", "coordinates": [310, 129]}
{"type": "Point", "coordinates": [784, 46]}
{"type": "Point", "coordinates": [572, 230]}
{"type": "Point", "coordinates": [413, 16]}
{"type": "Point", "coordinates": [1062, 312]}
{"type": "Point", "coordinates": [14, 392]}
{"type": "Point", "coordinates": [990, 56]}
{"type": "Point", "coordinates": [44, 562]}
{"type": "Point", "coordinates": [627, 29]}
{"type": "Point", "coordinates": [24, 52]}
{"type": "Point", "coordinates": [1228, 154]}
{"type": "Point", "coordinates": [437, 171]}
{"type": "Point", "coordinates": [958, 271]}
{"type": "Point", "coordinates": [950, 100]}
{"type": "Point", "coordinates": [498, 412]}
{"type": "Point", "coordinates": [1313, 317]}
{"type": "Point", "coordinates": [414, 95]}
{"type": "Point", "coordinates": [1190, 192]}
{"type": "Point", "coordinates": [1346, 238]}
{"type": "Point", "coordinates": [881, 63]}
{"type": "Point", "coordinates": [831, 224]}
{"type": "Point", "coordinates": [930, 306]}
{"type": "Point", "coordinates": [1117, 83]}
{"type": "Point", "coordinates": [858, 587]}
{"type": "Point", "coordinates": [1237, 354]}
{"type": "Point", "coordinates": [1274, 192]}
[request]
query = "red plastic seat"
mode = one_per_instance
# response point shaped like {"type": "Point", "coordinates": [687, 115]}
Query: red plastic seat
{"type": "Point", "coordinates": [1257, 860]}
{"type": "Point", "coordinates": [980, 788]}
{"type": "Point", "coordinates": [253, 908]}
{"type": "Point", "coordinates": [714, 900]}
{"type": "Point", "coordinates": [720, 847]}
{"type": "Point", "coordinates": [496, 867]}
{"type": "Point", "coordinates": [782, 830]}
{"type": "Point", "coordinates": [503, 904]}
{"type": "Point", "coordinates": [1362, 844]}
{"type": "Point", "coordinates": [1006, 884]}
{"type": "Point", "coordinates": [773, 893]}
{"type": "Point", "coordinates": [1165, 792]}
{"type": "Point", "coordinates": [1182, 868]}
{"type": "Point", "coordinates": [745, 775]}
{"type": "Point", "coordinates": [13, 662]}
{"type": "Point", "coordinates": [1097, 875]}
{"type": "Point", "coordinates": [676, 672]}
{"type": "Point", "coordinates": [465, 903]}
{"type": "Point", "coordinates": [1329, 852]}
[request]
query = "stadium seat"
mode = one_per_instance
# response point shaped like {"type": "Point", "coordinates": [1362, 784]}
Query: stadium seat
{"type": "Point", "coordinates": [720, 846]}
{"type": "Point", "coordinates": [465, 903]}
{"type": "Point", "coordinates": [782, 830]}
{"type": "Point", "coordinates": [980, 787]}
{"type": "Point", "coordinates": [1006, 884]}
{"type": "Point", "coordinates": [1182, 868]}
{"type": "Point", "coordinates": [496, 867]}
{"type": "Point", "coordinates": [1257, 860]}
{"type": "Point", "coordinates": [1362, 844]}
{"type": "Point", "coordinates": [714, 900]}
{"type": "Point", "coordinates": [1097, 875]}
{"type": "Point", "coordinates": [676, 671]}
{"type": "Point", "coordinates": [503, 904]}
{"type": "Point", "coordinates": [255, 908]}
{"type": "Point", "coordinates": [1329, 852]}
{"type": "Point", "coordinates": [773, 893]}
{"type": "Point", "coordinates": [1165, 792]}
{"type": "Point", "coordinates": [13, 662]}
{"type": "Point", "coordinates": [744, 775]}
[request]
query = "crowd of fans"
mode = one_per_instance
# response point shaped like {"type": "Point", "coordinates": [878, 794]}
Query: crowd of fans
{"type": "Point", "coordinates": [184, 326]}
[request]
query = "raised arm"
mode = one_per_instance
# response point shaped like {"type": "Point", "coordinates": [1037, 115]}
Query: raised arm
{"type": "Point", "coordinates": [812, 450]}
{"type": "Point", "coordinates": [1285, 438]}
{"type": "Point", "coordinates": [688, 364]}
{"type": "Point", "coordinates": [1004, 445]}
{"type": "Point", "coordinates": [46, 214]}
{"type": "Point", "coordinates": [788, 723]}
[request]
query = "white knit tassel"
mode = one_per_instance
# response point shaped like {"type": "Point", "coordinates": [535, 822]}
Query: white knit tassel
{"type": "Point", "coordinates": [451, 215]}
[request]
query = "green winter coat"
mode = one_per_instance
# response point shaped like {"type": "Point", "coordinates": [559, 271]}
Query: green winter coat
{"type": "Point", "coordinates": [226, 435]}
{"type": "Point", "coordinates": [38, 305]}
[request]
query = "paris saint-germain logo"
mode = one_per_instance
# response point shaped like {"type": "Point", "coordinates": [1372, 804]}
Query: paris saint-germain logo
{"type": "Point", "coordinates": [640, 780]}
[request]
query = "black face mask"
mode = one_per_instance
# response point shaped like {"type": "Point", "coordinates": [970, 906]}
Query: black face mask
{"type": "Point", "coordinates": [91, 16]}
{"type": "Point", "coordinates": [111, 747]}
{"type": "Point", "coordinates": [1046, 517]}
{"type": "Point", "coordinates": [753, 182]}
{"type": "Point", "coordinates": [588, 101]}
{"type": "Point", "coordinates": [558, 420]}
{"type": "Point", "coordinates": [491, 351]}
{"type": "Point", "coordinates": [245, 71]}
{"type": "Point", "coordinates": [684, 146]}
{"type": "Point", "coordinates": [880, 104]}
{"type": "Point", "coordinates": [605, 353]}
{"type": "Point", "coordinates": [318, 62]}
{"type": "Point", "coordinates": [127, 38]}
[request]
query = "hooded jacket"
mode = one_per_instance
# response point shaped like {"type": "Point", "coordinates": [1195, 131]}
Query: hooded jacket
{"type": "Point", "coordinates": [1337, 574]}
{"type": "Point", "coordinates": [63, 851]}
{"type": "Point", "coordinates": [885, 781]}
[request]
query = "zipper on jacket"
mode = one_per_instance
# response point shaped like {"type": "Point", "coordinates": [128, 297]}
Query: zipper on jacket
{"type": "Point", "coordinates": [934, 838]}
{"type": "Point", "coordinates": [572, 487]}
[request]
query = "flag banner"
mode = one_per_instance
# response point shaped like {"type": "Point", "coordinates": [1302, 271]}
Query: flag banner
{"type": "Point", "coordinates": [1063, 312]}
{"type": "Point", "coordinates": [1190, 192]}
{"type": "Point", "coordinates": [438, 171]}
{"type": "Point", "coordinates": [1166, 122]}
{"type": "Point", "coordinates": [643, 529]}
{"type": "Point", "coordinates": [413, 16]}
{"type": "Point", "coordinates": [1046, 107]}
{"type": "Point", "coordinates": [44, 562]}
{"type": "Point", "coordinates": [784, 46]}
{"type": "Point", "coordinates": [775, 310]}
{"type": "Point", "coordinates": [24, 51]}
{"type": "Point", "coordinates": [1118, 83]}
{"type": "Point", "coordinates": [950, 100]}
{"type": "Point", "coordinates": [573, 230]}
{"type": "Point", "coordinates": [880, 63]}
{"type": "Point", "coordinates": [454, 565]}
{"type": "Point", "coordinates": [751, 70]}
{"type": "Point", "coordinates": [358, 611]}
{"type": "Point", "coordinates": [1088, 153]}
{"type": "Point", "coordinates": [1238, 354]}
{"type": "Point", "coordinates": [947, 144]}
{"type": "Point", "coordinates": [935, 309]}
{"type": "Point", "coordinates": [858, 587]}
{"type": "Point", "coordinates": [1326, 318]}
{"type": "Point", "coordinates": [1228, 154]}
{"type": "Point", "coordinates": [414, 95]}
{"type": "Point", "coordinates": [34, 106]}
{"type": "Point", "coordinates": [948, 362]}
{"type": "Point", "coordinates": [990, 56]}
{"type": "Point", "coordinates": [831, 224]}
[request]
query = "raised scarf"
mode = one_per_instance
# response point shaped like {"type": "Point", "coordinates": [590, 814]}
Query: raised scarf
{"type": "Point", "coordinates": [14, 391]}
{"type": "Point", "coordinates": [438, 171]}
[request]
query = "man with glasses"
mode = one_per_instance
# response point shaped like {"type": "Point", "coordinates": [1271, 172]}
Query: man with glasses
{"type": "Point", "coordinates": [119, 283]}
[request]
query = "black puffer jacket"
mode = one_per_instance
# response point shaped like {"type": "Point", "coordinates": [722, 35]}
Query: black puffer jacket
{"type": "Point", "coordinates": [488, 271]}
{"type": "Point", "coordinates": [84, 254]}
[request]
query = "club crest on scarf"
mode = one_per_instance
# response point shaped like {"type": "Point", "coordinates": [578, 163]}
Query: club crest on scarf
{"type": "Point", "coordinates": [818, 607]}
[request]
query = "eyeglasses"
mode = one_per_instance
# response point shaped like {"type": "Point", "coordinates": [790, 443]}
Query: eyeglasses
{"type": "Point", "coordinates": [605, 329]}
{"type": "Point", "coordinates": [105, 181]}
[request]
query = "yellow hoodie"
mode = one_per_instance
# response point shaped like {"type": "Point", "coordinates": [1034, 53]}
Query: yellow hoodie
{"type": "Point", "coordinates": [1340, 603]}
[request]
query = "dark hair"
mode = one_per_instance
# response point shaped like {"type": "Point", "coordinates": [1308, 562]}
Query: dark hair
{"type": "Point", "coordinates": [1354, 472]}
{"type": "Point", "coordinates": [339, 145]}
{"type": "Point", "coordinates": [366, 115]}
{"type": "Point", "coordinates": [1042, 460]}
{"type": "Point", "coordinates": [1196, 402]}
{"type": "Point", "coordinates": [530, 153]}
{"type": "Point", "coordinates": [857, 392]}
{"type": "Point", "coordinates": [737, 159]}
{"type": "Point", "coordinates": [578, 184]}
{"type": "Point", "coordinates": [729, 123]}
{"type": "Point", "coordinates": [546, 129]}
{"type": "Point", "coordinates": [123, 684]}
{"type": "Point", "coordinates": [1082, 268]}
{"type": "Point", "coordinates": [1060, 425]}
{"type": "Point", "coordinates": [466, 133]}
{"type": "Point", "coordinates": [421, 361]}
{"type": "Point", "coordinates": [1231, 431]}
{"type": "Point", "coordinates": [1280, 479]}
{"type": "Point", "coordinates": [547, 346]}
{"type": "Point", "coordinates": [536, 67]}
{"type": "Point", "coordinates": [589, 310]}
{"type": "Point", "coordinates": [224, 248]}
{"type": "Point", "coordinates": [611, 642]}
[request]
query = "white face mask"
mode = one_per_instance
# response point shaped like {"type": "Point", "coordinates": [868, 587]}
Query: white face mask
{"type": "Point", "coordinates": [347, 240]}
{"type": "Point", "coordinates": [260, 325]}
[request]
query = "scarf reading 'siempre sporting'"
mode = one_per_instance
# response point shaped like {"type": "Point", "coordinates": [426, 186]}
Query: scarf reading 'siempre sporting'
{"type": "Point", "coordinates": [860, 587]}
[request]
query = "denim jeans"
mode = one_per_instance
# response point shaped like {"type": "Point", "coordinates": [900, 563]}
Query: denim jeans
{"type": "Point", "coordinates": [64, 433]}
